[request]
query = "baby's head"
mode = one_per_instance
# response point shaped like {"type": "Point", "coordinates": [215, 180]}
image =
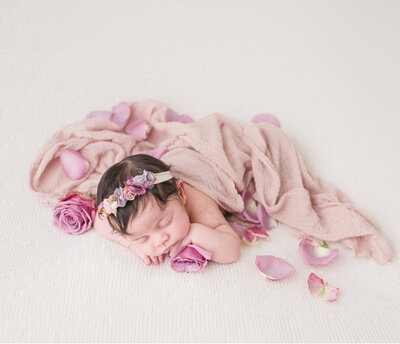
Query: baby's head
{"type": "Point", "coordinates": [155, 221]}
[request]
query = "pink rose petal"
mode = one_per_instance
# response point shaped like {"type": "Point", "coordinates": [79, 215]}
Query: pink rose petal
{"type": "Point", "coordinates": [248, 238]}
{"type": "Point", "coordinates": [171, 116]}
{"type": "Point", "coordinates": [259, 233]}
{"type": "Point", "coordinates": [158, 153]}
{"type": "Point", "coordinates": [314, 254]}
{"type": "Point", "coordinates": [99, 114]}
{"type": "Point", "coordinates": [120, 113]}
{"type": "Point", "coordinates": [266, 221]}
{"type": "Point", "coordinates": [138, 128]}
{"type": "Point", "coordinates": [274, 268]}
{"type": "Point", "coordinates": [73, 164]}
{"type": "Point", "coordinates": [264, 117]}
{"type": "Point", "coordinates": [250, 207]}
{"type": "Point", "coordinates": [185, 119]}
{"type": "Point", "coordinates": [321, 290]}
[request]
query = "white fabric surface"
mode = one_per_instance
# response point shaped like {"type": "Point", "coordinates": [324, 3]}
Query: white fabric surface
{"type": "Point", "coordinates": [327, 69]}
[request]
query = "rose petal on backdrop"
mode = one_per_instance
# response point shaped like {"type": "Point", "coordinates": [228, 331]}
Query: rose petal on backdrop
{"type": "Point", "coordinates": [99, 114]}
{"type": "Point", "coordinates": [314, 253]}
{"type": "Point", "coordinates": [73, 164]}
{"type": "Point", "coordinates": [266, 221]}
{"type": "Point", "coordinates": [185, 119]}
{"type": "Point", "coordinates": [138, 128]}
{"type": "Point", "coordinates": [259, 233]}
{"type": "Point", "coordinates": [158, 153]}
{"type": "Point", "coordinates": [321, 290]}
{"type": "Point", "coordinates": [246, 235]}
{"type": "Point", "coordinates": [265, 117]}
{"type": "Point", "coordinates": [171, 116]}
{"type": "Point", "coordinates": [250, 207]}
{"type": "Point", "coordinates": [248, 238]}
{"type": "Point", "coordinates": [274, 268]}
{"type": "Point", "coordinates": [120, 113]}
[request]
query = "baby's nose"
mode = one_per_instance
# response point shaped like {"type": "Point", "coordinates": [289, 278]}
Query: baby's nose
{"type": "Point", "coordinates": [161, 238]}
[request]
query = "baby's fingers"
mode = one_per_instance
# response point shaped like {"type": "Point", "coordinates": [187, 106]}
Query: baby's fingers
{"type": "Point", "coordinates": [145, 258]}
{"type": "Point", "coordinates": [157, 259]}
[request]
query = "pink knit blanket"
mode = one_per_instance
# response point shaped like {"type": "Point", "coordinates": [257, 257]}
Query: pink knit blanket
{"type": "Point", "coordinates": [221, 158]}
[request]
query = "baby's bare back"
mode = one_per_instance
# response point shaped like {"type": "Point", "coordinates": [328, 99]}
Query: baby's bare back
{"type": "Point", "coordinates": [203, 209]}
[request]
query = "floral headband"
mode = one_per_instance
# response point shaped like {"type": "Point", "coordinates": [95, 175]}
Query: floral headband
{"type": "Point", "coordinates": [134, 186]}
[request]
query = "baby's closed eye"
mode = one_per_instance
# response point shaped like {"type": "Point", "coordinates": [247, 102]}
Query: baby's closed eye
{"type": "Point", "coordinates": [166, 221]}
{"type": "Point", "coordinates": [142, 239]}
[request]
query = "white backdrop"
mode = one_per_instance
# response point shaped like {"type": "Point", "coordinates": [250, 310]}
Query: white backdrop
{"type": "Point", "coordinates": [329, 70]}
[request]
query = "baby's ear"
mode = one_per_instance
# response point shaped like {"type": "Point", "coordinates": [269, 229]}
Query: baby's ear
{"type": "Point", "coordinates": [181, 190]}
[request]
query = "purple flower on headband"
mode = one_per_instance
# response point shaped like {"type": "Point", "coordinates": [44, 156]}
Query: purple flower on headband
{"type": "Point", "coordinates": [146, 179]}
{"type": "Point", "coordinates": [119, 194]}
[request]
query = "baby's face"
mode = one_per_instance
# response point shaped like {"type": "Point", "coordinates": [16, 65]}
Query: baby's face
{"type": "Point", "coordinates": [156, 231]}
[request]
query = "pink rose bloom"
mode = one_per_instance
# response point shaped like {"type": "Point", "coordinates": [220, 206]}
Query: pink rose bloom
{"type": "Point", "coordinates": [74, 213]}
{"type": "Point", "coordinates": [190, 258]}
{"type": "Point", "coordinates": [129, 195]}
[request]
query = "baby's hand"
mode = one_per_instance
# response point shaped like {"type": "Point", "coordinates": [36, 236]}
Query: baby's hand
{"type": "Point", "coordinates": [154, 259]}
{"type": "Point", "coordinates": [147, 259]}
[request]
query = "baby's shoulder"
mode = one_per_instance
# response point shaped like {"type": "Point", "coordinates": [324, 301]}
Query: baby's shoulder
{"type": "Point", "coordinates": [203, 209]}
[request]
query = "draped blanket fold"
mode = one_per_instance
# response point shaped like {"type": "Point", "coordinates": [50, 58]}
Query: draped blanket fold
{"type": "Point", "coordinates": [220, 157]}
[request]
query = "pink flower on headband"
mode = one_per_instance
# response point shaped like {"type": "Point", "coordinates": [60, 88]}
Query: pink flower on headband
{"type": "Point", "coordinates": [134, 186]}
{"type": "Point", "coordinates": [129, 195]}
{"type": "Point", "coordinates": [140, 183]}
{"type": "Point", "coordinates": [137, 189]}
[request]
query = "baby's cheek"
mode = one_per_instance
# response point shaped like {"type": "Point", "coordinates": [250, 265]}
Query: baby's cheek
{"type": "Point", "coordinates": [180, 230]}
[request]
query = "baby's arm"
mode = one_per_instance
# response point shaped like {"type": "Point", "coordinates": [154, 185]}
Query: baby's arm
{"type": "Point", "coordinates": [221, 241]}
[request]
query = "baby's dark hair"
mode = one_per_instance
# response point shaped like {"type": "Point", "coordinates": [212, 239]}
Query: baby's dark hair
{"type": "Point", "coordinates": [120, 172]}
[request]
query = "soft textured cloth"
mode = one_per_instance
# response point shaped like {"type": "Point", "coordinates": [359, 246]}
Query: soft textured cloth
{"type": "Point", "coordinates": [220, 157]}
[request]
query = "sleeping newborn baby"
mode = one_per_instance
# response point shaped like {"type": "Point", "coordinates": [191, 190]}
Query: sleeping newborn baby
{"type": "Point", "coordinates": [142, 206]}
